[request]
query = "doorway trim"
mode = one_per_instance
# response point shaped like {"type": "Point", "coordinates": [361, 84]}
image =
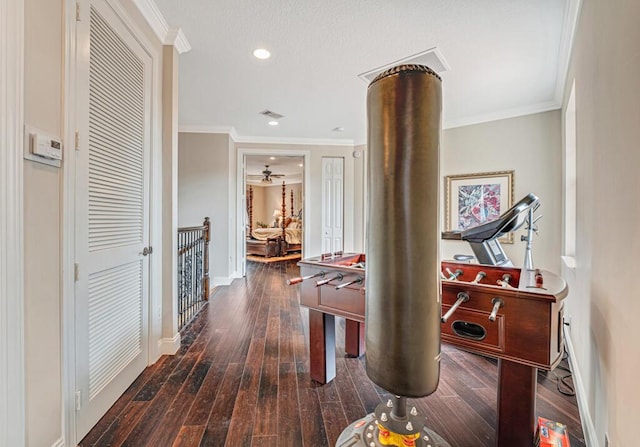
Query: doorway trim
{"type": "Point", "coordinates": [12, 356]}
{"type": "Point", "coordinates": [241, 153]}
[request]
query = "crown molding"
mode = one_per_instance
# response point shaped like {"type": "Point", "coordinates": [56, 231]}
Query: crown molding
{"type": "Point", "coordinates": [264, 140]}
{"type": "Point", "coordinates": [298, 141]}
{"type": "Point", "coordinates": [206, 129]}
{"type": "Point", "coordinates": [503, 114]}
{"type": "Point", "coordinates": [160, 27]}
{"type": "Point", "coordinates": [230, 130]}
{"type": "Point", "coordinates": [176, 37]}
{"type": "Point", "coordinates": [569, 29]}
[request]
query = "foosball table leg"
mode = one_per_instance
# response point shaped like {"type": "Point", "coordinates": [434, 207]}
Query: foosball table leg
{"type": "Point", "coordinates": [516, 404]}
{"type": "Point", "coordinates": [322, 346]}
{"type": "Point", "coordinates": [354, 338]}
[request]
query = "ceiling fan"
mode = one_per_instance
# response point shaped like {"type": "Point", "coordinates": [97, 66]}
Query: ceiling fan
{"type": "Point", "coordinates": [267, 175]}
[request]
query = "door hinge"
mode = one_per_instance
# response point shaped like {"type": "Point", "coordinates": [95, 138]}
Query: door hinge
{"type": "Point", "coordinates": [76, 272]}
{"type": "Point", "coordinates": [78, 400]}
{"type": "Point", "coordinates": [77, 12]}
{"type": "Point", "coordinates": [77, 140]}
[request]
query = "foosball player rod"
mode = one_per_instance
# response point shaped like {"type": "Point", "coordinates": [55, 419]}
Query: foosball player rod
{"type": "Point", "coordinates": [462, 298]}
{"type": "Point", "coordinates": [504, 282]}
{"type": "Point", "coordinates": [322, 282]}
{"type": "Point", "coordinates": [479, 277]}
{"type": "Point", "coordinates": [497, 304]}
{"type": "Point", "coordinates": [299, 279]}
{"type": "Point", "coordinates": [358, 280]}
{"type": "Point", "coordinates": [453, 276]}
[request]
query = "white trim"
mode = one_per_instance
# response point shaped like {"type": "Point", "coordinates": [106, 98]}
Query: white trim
{"type": "Point", "coordinates": [160, 27]}
{"type": "Point", "coordinates": [264, 140]}
{"type": "Point", "coordinates": [233, 239]}
{"type": "Point", "coordinates": [58, 443]}
{"type": "Point", "coordinates": [208, 129]}
{"type": "Point", "coordinates": [590, 434]}
{"type": "Point", "coordinates": [503, 114]}
{"type": "Point", "coordinates": [222, 280]}
{"type": "Point", "coordinates": [169, 346]}
{"type": "Point", "coordinates": [569, 262]}
{"type": "Point", "coordinates": [154, 17]}
{"type": "Point", "coordinates": [175, 37]}
{"type": "Point", "coordinates": [156, 205]}
{"type": "Point", "coordinates": [569, 28]}
{"type": "Point", "coordinates": [298, 141]}
{"type": "Point", "coordinates": [12, 361]}
{"type": "Point", "coordinates": [240, 185]}
{"type": "Point", "coordinates": [68, 226]}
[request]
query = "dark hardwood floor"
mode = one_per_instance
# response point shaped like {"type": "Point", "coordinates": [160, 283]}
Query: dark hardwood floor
{"type": "Point", "coordinates": [241, 378]}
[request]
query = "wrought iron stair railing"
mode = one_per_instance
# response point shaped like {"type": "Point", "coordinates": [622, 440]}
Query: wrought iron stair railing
{"type": "Point", "coordinates": [193, 270]}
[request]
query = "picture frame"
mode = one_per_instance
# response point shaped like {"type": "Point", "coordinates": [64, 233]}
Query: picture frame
{"type": "Point", "coordinates": [474, 199]}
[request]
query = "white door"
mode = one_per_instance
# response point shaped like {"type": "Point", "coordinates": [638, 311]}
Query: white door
{"type": "Point", "coordinates": [332, 204]}
{"type": "Point", "coordinates": [112, 220]}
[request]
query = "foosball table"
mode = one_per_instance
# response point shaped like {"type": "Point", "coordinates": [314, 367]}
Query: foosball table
{"type": "Point", "coordinates": [512, 314]}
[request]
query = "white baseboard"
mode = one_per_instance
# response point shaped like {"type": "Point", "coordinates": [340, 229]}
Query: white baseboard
{"type": "Point", "coordinates": [222, 280]}
{"type": "Point", "coordinates": [589, 429]}
{"type": "Point", "coordinates": [169, 346]}
{"type": "Point", "coordinates": [58, 443]}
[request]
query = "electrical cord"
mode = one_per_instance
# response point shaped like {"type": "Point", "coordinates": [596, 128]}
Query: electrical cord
{"type": "Point", "coordinates": [564, 383]}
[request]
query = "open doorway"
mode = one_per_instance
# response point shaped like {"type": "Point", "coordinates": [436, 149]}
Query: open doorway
{"type": "Point", "coordinates": [273, 207]}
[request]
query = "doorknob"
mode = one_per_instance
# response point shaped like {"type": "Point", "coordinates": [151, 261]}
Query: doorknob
{"type": "Point", "coordinates": [147, 251]}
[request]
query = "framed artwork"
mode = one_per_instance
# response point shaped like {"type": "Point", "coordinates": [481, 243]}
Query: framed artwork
{"type": "Point", "coordinates": [474, 199]}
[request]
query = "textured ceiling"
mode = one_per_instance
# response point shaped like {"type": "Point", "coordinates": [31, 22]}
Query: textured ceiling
{"type": "Point", "coordinates": [504, 59]}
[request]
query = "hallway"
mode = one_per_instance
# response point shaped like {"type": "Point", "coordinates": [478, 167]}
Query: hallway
{"type": "Point", "coordinates": [241, 378]}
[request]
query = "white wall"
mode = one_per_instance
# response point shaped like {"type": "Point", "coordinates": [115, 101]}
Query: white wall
{"type": "Point", "coordinates": [604, 302]}
{"type": "Point", "coordinates": [42, 183]}
{"type": "Point", "coordinates": [266, 199]}
{"type": "Point", "coordinates": [529, 145]}
{"type": "Point", "coordinates": [170, 60]}
{"type": "Point", "coordinates": [203, 191]}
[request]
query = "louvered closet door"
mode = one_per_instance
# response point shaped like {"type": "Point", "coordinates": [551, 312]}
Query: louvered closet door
{"type": "Point", "coordinates": [112, 206]}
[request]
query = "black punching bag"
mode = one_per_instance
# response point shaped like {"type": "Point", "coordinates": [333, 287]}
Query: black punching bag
{"type": "Point", "coordinates": [403, 308]}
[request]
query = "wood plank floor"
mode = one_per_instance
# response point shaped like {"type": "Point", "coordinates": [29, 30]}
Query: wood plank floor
{"type": "Point", "coordinates": [241, 378]}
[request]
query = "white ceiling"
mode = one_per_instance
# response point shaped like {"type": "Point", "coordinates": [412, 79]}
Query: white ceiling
{"type": "Point", "coordinates": [505, 58]}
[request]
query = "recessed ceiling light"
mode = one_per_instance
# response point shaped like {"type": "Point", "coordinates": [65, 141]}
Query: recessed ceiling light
{"type": "Point", "coordinates": [261, 53]}
{"type": "Point", "coordinates": [273, 123]}
{"type": "Point", "coordinates": [301, 165]}
{"type": "Point", "coordinates": [272, 158]}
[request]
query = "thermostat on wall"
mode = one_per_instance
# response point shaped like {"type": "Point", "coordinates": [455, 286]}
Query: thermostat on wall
{"type": "Point", "coordinates": [41, 147]}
